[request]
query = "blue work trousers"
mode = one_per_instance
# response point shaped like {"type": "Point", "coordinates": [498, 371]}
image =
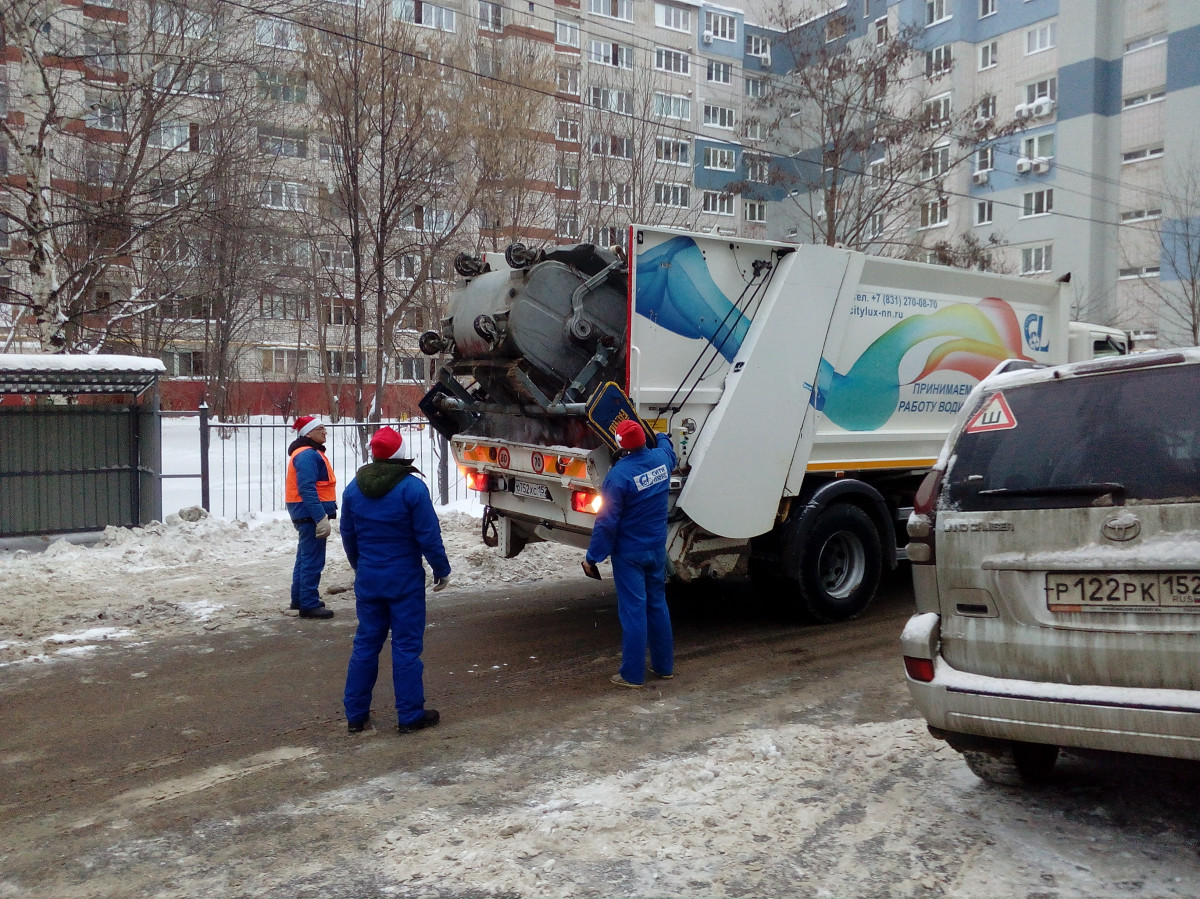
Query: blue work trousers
{"type": "Point", "coordinates": [405, 618]}
{"type": "Point", "coordinates": [642, 608]}
{"type": "Point", "coordinates": [310, 562]}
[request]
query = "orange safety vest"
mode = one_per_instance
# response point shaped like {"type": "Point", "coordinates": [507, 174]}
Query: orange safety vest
{"type": "Point", "coordinates": [326, 490]}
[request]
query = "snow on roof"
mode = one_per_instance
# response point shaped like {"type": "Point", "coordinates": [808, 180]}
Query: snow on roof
{"type": "Point", "coordinates": [47, 362]}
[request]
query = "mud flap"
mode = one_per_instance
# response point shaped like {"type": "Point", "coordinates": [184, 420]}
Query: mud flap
{"type": "Point", "coordinates": [490, 537]}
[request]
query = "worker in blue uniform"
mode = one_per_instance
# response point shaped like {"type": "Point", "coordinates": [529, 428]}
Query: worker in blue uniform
{"type": "Point", "coordinates": [388, 524]}
{"type": "Point", "coordinates": [310, 492]}
{"type": "Point", "coordinates": [632, 528]}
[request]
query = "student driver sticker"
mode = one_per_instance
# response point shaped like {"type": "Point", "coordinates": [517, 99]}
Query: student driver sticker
{"type": "Point", "coordinates": [994, 416]}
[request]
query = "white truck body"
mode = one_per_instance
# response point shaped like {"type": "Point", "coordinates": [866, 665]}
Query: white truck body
{"type": "Point", "coordinates": [793, 380]}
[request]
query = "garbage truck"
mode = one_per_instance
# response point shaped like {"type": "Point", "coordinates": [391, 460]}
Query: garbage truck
{"type": "Point", "coordinates": [807, 390]}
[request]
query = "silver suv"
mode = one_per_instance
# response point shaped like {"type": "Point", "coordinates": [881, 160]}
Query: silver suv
{"type": "Point", "coordinates": [1056, 565]}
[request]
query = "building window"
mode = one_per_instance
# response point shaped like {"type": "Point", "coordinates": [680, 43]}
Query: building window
{"type": "Point", "coordinates": [283, 195]}
{"type": "Point", "coordinates": [987, 8]}
{"type": "Point", "coordinates": [1142, 155]}
{"type": "Point", "coordinates": [1044, 37]}
{"type": "Point", "coordinates": [758, 168]}
{"type": "Point", "coordinates": [284, 362]}
{"type": "Point", "coordinates": [283, 88]}
{"type": "Point", "coordinates": [935, 162]}
{"type": "Point", "coordinates": [985, 158]}
{"type": "Point", "coordinates": [607, 192]}
{"type": "Point", "coordinates": [1141, 215]}
{"type": "Point", "coordinates": [757, 45]}
{"type": "Point", "coordinates": [720, 159]}
{"type": "Point", "coordinates": [278, 34]}
{"type": "Point", "coordinates": [1143, 42]}
{"type": "Point", "coordinates": [612, 145]}
{"type": "Point", "coordinates": [673, 151]}
{"type": "Point", "coordinates": [275, 142]}
{"type": "Point", "coordinates": [412, 369]}
{"type": "Point", "coordinates": [1139, 271]}
{"type": "Point", "coordinates": [720, 26]}
{"type": "Point", "coordinates": [881, 31]}
{"type": "Point", "coordinates": [674, 61]}
{"type": "Point", "coordinates": [566, 177]}
{"type": "Point", "coordinates": [335, 256]}
{"type": "Point", "coordinates": [673, 106]}
{"type": "Point", "coordinates": [1146, 97]}
{"type": "Point", "coordinates": [1047, 87]}
{"type": "Point", "coordinates": [938, 61]}
{"type": "Point", "coordinates": [1037, 202]}
{"type": "Point", "coordinates": [937, 112]}
{"type": "Point", "coordinates": [612, 9]}
{"type": "Point", "coordinates": [756, 87]}
{"type": "Point", "coordinates": [718, 203]}
{"type": "Point", "coordinates": [567, 226]}
{"type": "Point", "coordinates": [875, 225]}
{"type": "Point", "coordinates": [719, 116]}
{"type": "Point", "coordinates": [104, 115]}
{"type": "Point", "coordinates": [935, 213]}
{"type": "Point", "coordinates": [568, 130]}
{"type": "Point", "coordinates": [612, 100]}
{"type": "Point", "coordinates": [676, 195]}
{"type": "Point", "coordinates": [987, 55]}
{"type": "Point", "coordinates": [1035, 260]}
{"type": "Point", "coordinates": [345, 363]}
{"type": "Point", "coordinates": [936, 11]}
{"type": "Point", "coordinates": [566, 34]}
{"type": "Point", "coordinates": [987, 107]}
{"type": "Point", "coordinates": [611, 54]}
{"type": "Point", "coordinates": [283, 306]}
{"type": "Point", "coordinates": [491, 16]}
{"type": "Point", "coordinates": [338, 311]}
{"type": "Point", "coordinates": [418, 12]}
{"type": "Point", "coordinates": [567, 81]}
{"type": "Point", "coordinates": [184, 363]}
{"type": "Point", "coordinates": [755, 211]}
{"type": "Point", "coordinates": [983, 212]}
{"type": "Point", "coordinates": [1038, 145]}
{"type": "Point", "coordinates": [672, 17]}
{"type": "Point", "coordinates": [719, 72]}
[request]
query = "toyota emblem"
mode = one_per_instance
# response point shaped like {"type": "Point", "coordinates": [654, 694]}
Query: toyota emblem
{"type": "Point", "coordinates": [1121, 528]}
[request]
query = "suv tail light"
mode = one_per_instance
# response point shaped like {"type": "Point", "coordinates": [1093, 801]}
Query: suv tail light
{"type": "Point", "coordinates": [585, 501]}
{"type": "Point", "coordinates": [922, 524]}
{"type": "Point", "coordinates": [478, 480]}
{"type": "Point", "coordinates": [919, 669]}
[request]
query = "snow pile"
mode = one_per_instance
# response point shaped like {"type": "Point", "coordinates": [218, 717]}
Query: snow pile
{"type": "Point", "coordinates": [183, 577]}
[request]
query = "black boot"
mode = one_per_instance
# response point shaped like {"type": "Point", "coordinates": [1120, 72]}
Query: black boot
{"type": "Point", "coordinates": [428, 718]}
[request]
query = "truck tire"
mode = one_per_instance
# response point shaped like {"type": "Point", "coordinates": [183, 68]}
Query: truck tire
{"type": "Point", "coordinates": [840, 565]}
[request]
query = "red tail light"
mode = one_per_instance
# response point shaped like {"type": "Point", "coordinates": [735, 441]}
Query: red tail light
{"type": "Point", "coordinates": [585, 501]}
{"type": "Point", "coordinates": [478, 480]}
{"type": "Point", "coordinates": [922, 524]}
{"type": "Point", "coordinates": [919, 669]}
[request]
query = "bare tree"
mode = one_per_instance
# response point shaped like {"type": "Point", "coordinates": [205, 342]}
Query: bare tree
{"type": "Point", "coordinates": [400, 189]}
{"type": "Point", "coordinates": [113, 118]}
{"type": "Point", "coordinates": [868, 134]}
{"type": "Point", "coordinates": [1172, 241]}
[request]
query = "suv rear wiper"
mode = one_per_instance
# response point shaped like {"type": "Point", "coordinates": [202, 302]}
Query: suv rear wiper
{"type": "Point", "coordinates": [1098, 489]}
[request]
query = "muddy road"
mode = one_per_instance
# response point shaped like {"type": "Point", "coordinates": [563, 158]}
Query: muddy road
{"type": "Point", "coordinates": [784, 759]}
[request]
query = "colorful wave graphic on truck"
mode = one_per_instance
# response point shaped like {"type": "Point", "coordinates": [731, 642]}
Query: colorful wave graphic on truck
{"type": "Point", "coordinates": [676, 291]}
{"type": "Point", "coordinates": [977, 338]}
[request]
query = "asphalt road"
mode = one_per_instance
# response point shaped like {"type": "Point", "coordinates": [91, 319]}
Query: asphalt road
{"type": "Point", "coordinates": [154, 738]}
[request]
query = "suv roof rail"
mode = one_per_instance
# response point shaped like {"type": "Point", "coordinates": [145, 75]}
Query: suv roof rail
{"type": "Point", "coordinates": [1126, 363]}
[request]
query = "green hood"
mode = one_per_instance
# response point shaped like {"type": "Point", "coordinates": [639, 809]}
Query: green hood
{"type": "Point", "coordinates": [376, 479]}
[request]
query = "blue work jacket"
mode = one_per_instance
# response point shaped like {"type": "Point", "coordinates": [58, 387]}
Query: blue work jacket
{"type": "Point", "coordinates": [633, 514]}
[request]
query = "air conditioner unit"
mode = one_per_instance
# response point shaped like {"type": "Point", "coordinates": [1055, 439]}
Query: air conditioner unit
{"type": "Point", "coordinates": [707, 37]}
{"type": "Point", "coordinates": [1023, 111]}
{"type": "Point", "coordinates": [981, 122]}
{"type": "Point", "coordinates": [980, 178]}
{"type": "Point", "coordinates": [765, 59]}
{"type": "Point", "coordinates": [1042, 107]}
{"type": "Point", "coordinates": [1041, 164]}
{"type": "Point", "coordinates": [821, 214]}
{"type": "Point", "coordinates": [1024, 164]}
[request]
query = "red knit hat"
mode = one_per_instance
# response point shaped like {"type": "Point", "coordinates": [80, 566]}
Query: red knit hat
{"type": "Point", "coordinates": [386, 443]}
{"type": "Point", "coordinates": [630, 435]}
{"type": "Point", "coordinates": [306, 424]}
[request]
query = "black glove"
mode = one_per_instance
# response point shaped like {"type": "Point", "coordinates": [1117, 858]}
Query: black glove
{"type": "Point", "coordinates": [590, 569]}
{"type": "Point", "coordinates": [440, 583]}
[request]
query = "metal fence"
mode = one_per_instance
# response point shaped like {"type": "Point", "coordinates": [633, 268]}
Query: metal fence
{"type": "Point", "coordinates": [243, 465]}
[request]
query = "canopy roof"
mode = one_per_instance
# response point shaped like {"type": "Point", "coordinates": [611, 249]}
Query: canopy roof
{"type": "Point", "coordinates": [57, 373]}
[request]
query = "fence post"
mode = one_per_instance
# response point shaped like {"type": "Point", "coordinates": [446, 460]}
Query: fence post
{"type": "Point", "coordinates": [204, 477]}
{"type": "Point", "coordinates": [443, 469]}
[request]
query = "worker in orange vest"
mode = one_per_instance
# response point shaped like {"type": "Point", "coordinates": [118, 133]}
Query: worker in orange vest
{"type": "Point", "coordinates": [311, 496]}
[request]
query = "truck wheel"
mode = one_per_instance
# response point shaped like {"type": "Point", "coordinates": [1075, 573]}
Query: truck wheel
{"type": "Point", "coordinates": [840, 564]}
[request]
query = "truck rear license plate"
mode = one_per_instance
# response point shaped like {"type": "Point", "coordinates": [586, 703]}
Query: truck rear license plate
{"type": "Point", "coordinates": [533, 491]}
{"type": "Point", "coordinates": [1123, 591]}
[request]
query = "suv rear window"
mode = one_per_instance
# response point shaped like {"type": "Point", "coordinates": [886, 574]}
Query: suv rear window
{"type": "Point", "coordinates": [1103, 439]}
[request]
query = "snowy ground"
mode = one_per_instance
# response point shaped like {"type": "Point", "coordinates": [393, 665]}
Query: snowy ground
{"type": "Point", "coordinates": [788, 800]}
